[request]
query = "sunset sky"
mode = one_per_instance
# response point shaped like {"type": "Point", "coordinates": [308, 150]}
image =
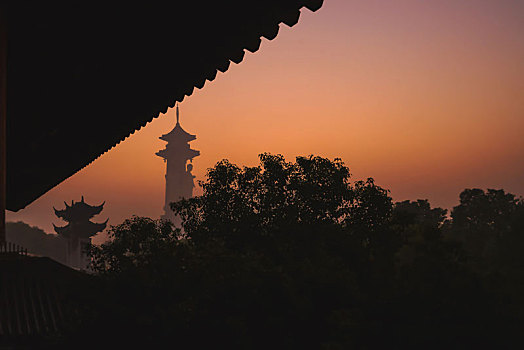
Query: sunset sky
{"type": "Point", "coordinates": [427, 97]}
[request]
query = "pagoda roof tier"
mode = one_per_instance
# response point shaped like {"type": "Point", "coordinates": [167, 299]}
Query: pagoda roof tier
{"type": "Point", "coordinates": [84, 229]}
{"type": "Point", "coordinates": [188, 153]}
{"type": "Point", "coordinates": [78, 211]}
{"type": "Point", "coordinates": [178, 135]}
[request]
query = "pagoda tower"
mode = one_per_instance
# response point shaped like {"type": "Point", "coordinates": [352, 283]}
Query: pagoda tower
{"type": "Point", "coordinates": [179, 180]}
{"type": "Point", "coordinates": [79, 230]}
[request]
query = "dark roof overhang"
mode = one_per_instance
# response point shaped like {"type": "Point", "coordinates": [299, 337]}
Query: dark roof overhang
{"type": "Point", "coordinates": [83, 76]}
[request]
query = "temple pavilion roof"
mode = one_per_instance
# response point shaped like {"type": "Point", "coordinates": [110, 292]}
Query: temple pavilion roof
{"type": "Point", "coordinates": [78, 211]}
{"type": "Point", "coordinates": [178, 135]}
{"type": "Point", "coordinates": [187, 153]}
{"type": "Point", "coordinates": [84, 229]}
{"type": "Point", "coordinates": [77, 216]}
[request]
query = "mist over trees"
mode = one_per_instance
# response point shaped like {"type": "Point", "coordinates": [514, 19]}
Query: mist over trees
{"type": "Point", "coordinates": [295, 255]}
{"type": "Point", "coordinates": [36, 240]}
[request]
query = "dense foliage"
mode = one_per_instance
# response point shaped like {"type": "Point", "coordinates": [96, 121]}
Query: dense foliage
{"type": "Point", "coordinates": [294, 255]}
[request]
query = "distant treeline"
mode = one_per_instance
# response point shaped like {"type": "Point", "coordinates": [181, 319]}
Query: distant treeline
{"type": "Point", "coordinates": [293, 255]}
{"type": "Point", "coordinates": [36, 241]}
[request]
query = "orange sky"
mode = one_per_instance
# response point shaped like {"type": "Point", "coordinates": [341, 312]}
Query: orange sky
{"type": "Point", "coordinates": [427, 97]}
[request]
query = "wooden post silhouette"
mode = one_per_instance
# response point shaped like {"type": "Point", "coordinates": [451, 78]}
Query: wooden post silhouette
{"type": "Point", "coordinates": [3, 118]}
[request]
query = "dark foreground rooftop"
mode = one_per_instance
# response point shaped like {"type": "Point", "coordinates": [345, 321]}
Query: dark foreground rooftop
{"type": "Point", "coordinates": [37, 299]}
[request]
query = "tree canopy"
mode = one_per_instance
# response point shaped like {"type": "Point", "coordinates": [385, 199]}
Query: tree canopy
{"type": "Point", "coordinates": [295, 255]}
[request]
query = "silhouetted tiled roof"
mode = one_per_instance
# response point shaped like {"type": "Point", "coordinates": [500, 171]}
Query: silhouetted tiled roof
{"type": "Point", "coordinates": [83, 76]}
{"type": "Point", "coordinates": [35, 297]}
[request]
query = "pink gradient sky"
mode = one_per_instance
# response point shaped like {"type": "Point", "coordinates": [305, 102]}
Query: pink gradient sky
{"type": "Point", "coordinates": [427, 97]}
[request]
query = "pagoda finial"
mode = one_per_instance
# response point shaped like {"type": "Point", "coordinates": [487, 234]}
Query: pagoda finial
{"type": "Point", "coordinates": [177, 114]}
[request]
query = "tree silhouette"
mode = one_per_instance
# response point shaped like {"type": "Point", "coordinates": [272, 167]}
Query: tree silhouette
{"type": "Point", "coordinates": [239, 205]}
{"type": "Point", "coordinates": [294, 255]}
{"type": "Point", "coordinates": [483, 219]}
